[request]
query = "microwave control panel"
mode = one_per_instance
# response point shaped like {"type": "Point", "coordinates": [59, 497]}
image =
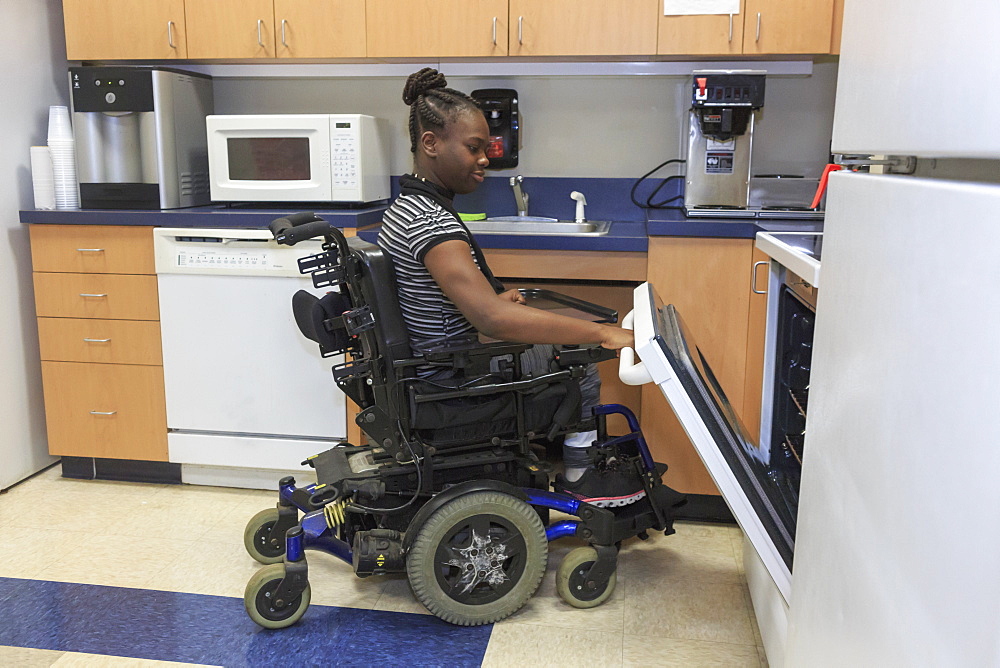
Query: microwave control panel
{"type": "Point", "coordinates": [345, 150]}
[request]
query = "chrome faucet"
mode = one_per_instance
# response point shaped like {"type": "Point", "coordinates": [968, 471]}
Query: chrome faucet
{"type": "Point", "coordinates": [520, 197]}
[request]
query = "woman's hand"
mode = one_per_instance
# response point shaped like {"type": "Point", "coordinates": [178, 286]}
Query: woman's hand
{"type": "Point", "coordinates": [513, 296]}
{"type": "Point", "coordinates": [616, 338]}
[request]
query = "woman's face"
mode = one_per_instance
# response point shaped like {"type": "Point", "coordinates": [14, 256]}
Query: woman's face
{"type": "Point", "coordinates": [460, 160]}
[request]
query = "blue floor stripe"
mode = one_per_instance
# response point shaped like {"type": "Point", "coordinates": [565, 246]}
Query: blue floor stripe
{"type": "Point", "coordinates": [169, 626]}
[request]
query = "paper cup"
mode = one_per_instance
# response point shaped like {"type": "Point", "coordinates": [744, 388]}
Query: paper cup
{"type": "Point", "coordinates": [42, 178]}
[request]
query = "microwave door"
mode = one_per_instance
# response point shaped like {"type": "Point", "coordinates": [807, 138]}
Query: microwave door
{"type": "Point", "coordinates": [762, 501]}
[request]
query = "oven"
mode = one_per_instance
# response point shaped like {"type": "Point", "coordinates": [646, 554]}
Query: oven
{"type": "Point", "coordinates": [757, 474]}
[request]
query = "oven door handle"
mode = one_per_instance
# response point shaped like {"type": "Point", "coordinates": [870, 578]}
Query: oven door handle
{"type": "Point", "coordinates": [630, 372]}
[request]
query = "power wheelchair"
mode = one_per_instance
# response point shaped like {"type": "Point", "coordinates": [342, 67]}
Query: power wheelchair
{"type": "Point", "coordinates": [450, 488]}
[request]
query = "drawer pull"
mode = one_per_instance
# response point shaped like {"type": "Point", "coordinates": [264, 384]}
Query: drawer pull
{"type": "Point", "coordinates": [90, 250]}
{"type": "Point", "coordinates": [103, 412]}
{"type": "Point", "coordinates": [97, 340]}
{"type": "Point", "coordinates": [92, 294]}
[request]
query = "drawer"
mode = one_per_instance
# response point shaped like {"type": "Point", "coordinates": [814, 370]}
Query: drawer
{"type": "Point", "coordinates": [110, 296]}
{"type": "Point", "coordinates": [102, 341]}
{"type": "Point", "coordinates": [92, 249]}
{"type": "Point", "coordinates": [113, 411]}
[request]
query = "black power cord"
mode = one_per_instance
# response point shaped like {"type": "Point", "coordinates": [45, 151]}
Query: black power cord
{"type": "Point", "coordinates": [650, 204]}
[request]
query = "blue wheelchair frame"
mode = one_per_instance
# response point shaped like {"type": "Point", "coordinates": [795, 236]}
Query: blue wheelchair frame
{"type": "Point", "coordinates": [316, 534]}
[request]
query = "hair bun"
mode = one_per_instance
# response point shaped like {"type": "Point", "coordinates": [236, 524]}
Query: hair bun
{"type": "Point", "coordinates": [420, 82]}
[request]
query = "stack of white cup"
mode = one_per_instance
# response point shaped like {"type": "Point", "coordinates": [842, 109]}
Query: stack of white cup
{"type": "Point", "coordinates": [63, 151]}
{"type": "Point", "coordinates": [42, 178]}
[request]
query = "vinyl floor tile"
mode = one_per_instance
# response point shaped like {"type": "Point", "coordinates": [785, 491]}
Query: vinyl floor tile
{"type": "Point", "coordinates": [640, 651]}
{"type": "Point", "coordinates": [537, 646]}
{"type": "Point", "coordinates": [207, 568]}
{"type": "Point", "coordinates": [689, 609]}
{"type": "Point", "coordinates": [126, 561]}
{"type": "Point", "coordinates": [27, 657]}
{"type": "Point", "coordinates": [689, 554]}
{"type": "Point", "coordinates": [32, 550]}
{"type": "Point", "coordinates": [398, 597]}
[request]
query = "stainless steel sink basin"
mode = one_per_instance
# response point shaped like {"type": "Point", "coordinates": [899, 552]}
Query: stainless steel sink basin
{"type": "Point", "coordinates": [537, 225]}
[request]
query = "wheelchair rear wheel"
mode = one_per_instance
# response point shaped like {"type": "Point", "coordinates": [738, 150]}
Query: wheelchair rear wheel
{"type": "Point", "coordinates": [478, 559]}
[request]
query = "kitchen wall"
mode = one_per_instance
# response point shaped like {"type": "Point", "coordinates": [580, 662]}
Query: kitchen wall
{"type": "Point", "coordinates": [32, 49]}
{"type": "Point", "coordinates": [583, 126]}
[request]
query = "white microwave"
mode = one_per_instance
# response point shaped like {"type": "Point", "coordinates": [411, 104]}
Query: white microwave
{"type": "Point", "coordinates": [297, 158]}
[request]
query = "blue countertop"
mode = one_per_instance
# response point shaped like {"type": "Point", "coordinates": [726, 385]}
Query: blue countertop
{"type": "Point", "coordinates": [673, 223]}
{"type": "Point", "coordinates": [212, 216]}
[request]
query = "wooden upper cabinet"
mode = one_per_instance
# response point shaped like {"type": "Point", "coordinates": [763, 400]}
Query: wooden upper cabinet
{"type": "Point", "coordinates": [583, 27]}
{"type": "Point", "coordinates": [230, 28]}
{"type": "Point", "coordinates": [124, 29]}
{"type": "Point", "coordinates": [319, 28]}
{"type": "Point", "coordinates": [436, 28]}
{"type": "Point", "coordinates": [779, 26]}
{"type": "Point", "coordinates": [708, 34]}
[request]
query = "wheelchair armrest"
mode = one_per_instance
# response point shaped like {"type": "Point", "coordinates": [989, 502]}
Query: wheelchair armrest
{"type": "Point", "coordinates": [471, 355]}
{"type": "Point", "coordinates": [567, 356]}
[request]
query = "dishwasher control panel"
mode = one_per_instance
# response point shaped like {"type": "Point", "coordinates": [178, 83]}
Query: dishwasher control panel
{"type": "Point", "coordinates": [227, 252]}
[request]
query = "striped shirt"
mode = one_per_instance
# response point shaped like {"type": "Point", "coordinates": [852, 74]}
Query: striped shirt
{"type": "Point", "coordinates": [412, 226]}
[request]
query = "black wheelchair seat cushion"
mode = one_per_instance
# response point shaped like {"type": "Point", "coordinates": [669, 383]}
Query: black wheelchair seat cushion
{"type": "Point", "coordinates": [318, 319]}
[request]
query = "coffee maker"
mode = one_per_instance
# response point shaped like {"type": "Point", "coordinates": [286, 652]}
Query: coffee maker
{"type": "Point", "coordinates": [724, 106]}
{"type": "Point", "coordinates": [500, 107]}
{"type": "Point", "coordinates": [140, 137]}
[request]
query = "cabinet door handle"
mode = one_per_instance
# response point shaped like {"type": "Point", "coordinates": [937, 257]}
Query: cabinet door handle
{"type": "Point", "coordinates": [260, 26]}
{"type": "Point", "coordinates": [170, 34]}
{"type": "Point", "coordinates": [730, 27]}
{"type": "Point", "coordinates": [103, 412]}
{"type": "Point", "coordinates": [753, 277]}
{"type": "Point", "coordinates": [283, 24]}
{"type": "Point", "coordinates": [520, 30]}
{"type": "Point", "coordinates": [758, 27]}
{"type": "Point", "coordinates": [97, 340]}
{"type": "Point", "coordinates": [494, 31]}
{"type": "Point", "coordinates": [90, 250]}
{"type": "Point", "coordinates": [92, 294]}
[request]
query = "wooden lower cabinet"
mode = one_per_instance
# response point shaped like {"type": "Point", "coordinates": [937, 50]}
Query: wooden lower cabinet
{"type": "Point", "coordinates": [99, 339]}
{"type": "Point", "coordinates": [708, 281]}
{"type": "Point", "coordinates": [113, 411]}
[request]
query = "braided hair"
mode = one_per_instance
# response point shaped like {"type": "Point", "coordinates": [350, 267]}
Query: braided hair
{"type": "Point", "coordinates": [432, 104]}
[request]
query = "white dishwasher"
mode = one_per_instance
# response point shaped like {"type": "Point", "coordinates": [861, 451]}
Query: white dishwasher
{"type": "Point", "coordinates": [247, 396]}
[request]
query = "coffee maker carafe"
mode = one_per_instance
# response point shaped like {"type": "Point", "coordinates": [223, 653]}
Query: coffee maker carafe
{"type": "Point", "coordinates": [140, 137]}
{"type": "Point", "coordinates": [724, 106]}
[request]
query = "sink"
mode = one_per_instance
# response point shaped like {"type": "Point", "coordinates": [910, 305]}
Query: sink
{"type": "Point", "coordinates": [538, 225]}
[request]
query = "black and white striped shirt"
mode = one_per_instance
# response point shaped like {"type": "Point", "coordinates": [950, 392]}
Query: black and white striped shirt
{"type": "Point", "coordinates": [412, 226]}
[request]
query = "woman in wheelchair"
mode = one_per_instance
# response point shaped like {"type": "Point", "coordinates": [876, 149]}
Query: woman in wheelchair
{"type": "Point", "coordinates": [446, 289]}
{"type": "Point", "coordinates": [448, 488]}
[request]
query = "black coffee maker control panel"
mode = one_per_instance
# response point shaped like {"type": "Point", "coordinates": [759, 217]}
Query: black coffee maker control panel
{"type": "Point", "coordinates": [727, 90]}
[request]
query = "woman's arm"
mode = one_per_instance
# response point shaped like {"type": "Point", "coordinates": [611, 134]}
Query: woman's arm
{"type": "Point", "coordinates": [500, 316]}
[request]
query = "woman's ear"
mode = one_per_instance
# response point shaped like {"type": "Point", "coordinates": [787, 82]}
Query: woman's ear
{"type": "Point", "coordinates": [429, 143]}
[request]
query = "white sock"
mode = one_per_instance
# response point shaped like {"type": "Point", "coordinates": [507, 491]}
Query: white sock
{"type": "Point", "coordinates": [578, 440]}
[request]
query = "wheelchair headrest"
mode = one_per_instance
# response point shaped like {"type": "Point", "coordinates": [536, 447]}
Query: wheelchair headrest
{"type": "Point", "coordinates": [313, 315]}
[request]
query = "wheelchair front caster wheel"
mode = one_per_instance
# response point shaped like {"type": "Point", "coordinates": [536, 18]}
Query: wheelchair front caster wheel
{"type": "Point", "coordinates": [258, 599]}
{"type": "Point", "coordinates": [255, 538]}
{"type": "Point", "coordinates": [572, 584]}
{"type": "Point", "coordinates": [478, 558]}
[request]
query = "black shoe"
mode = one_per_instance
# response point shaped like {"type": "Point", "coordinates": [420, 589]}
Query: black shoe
{"type": "Point", "coordinates": [605, 487]}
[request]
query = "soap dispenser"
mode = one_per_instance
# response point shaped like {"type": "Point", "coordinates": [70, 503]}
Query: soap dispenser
{"type": "Point", "coordinates": [500, 107]}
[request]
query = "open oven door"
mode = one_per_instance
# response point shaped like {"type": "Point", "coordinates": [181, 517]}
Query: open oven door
{"type": "Point", "coordinates": [755, 489]}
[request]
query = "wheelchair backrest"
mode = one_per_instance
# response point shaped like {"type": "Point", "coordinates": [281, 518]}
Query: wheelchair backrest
{"type": "Point", "coordinates": [377, 280]}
